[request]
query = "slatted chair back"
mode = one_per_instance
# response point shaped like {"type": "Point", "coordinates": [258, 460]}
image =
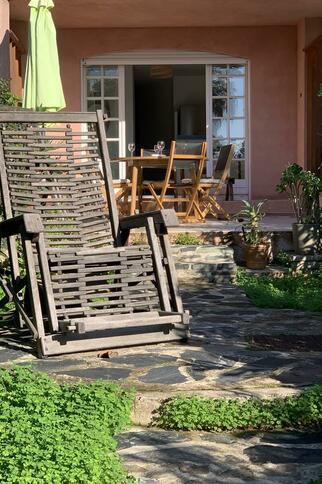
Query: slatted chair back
{"type": "Point", "coordinates": [55, 170]}
{"type": "Point", "coordinates": [223, 165]}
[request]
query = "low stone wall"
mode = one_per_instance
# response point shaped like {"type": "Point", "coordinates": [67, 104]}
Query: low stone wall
{"type": "Point", "coordinates": [205, 263]}
{"type": "Point", "coordinates": [306, 263]}
{"type": "Point", "coordinates": [281, 241]}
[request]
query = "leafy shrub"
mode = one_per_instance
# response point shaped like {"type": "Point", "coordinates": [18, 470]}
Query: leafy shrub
{"type": "Point", "coordinates": [283, 258]}
{"type": "Point", "coordinates": [7, 98]}
{"type": "Point", "coordinates": [187, 239]}
{"type": "Point", "coordinates": [138, 241]}
{"type": "Point", "coordinates": [303, 188]}
{"type": "Point", "coordinates": [291, 291]}
{"type": "Point", "coordinates": [51, 433]}
{"type": "Point", "coordinates": [199, 413]}
{"type": "Point", "coordinates": [319, 481]}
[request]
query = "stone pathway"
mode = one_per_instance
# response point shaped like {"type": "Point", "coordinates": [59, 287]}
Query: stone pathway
{"type": "Point", "coordinates": [217, 358]}
{"type": "Point", "coordinates": [217, 361]}
{"type": "Point", "coordinates": [199, 457]}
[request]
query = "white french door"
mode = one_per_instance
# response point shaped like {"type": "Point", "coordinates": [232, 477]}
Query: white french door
{"type": "Point", "coordinates": [106, 86]}
{"type": "Point", "coordinates": [227, 118]}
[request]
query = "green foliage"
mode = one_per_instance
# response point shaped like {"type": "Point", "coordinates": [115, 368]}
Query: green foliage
{"type": "Point", "coordinates": [303, 188]}
{"type": "Point", "coordinates": [51, 433]}
{"type": "Point", "coordinates": [290, 291]}
{"type": "Point", "coordinates": [320, 91]}
{"type": "Point", "coordinates": [283, 259]}
{"type": "Point", "coordinates": [138, 241]}
{"type": "Point", "coordinates": [7, 98]}
{"type": "Point", "coordinates": [251, 216]}
{"type": "Point", "coordinates": [185, 238]}
{"type": "Point", "coordinates": [200, 413]}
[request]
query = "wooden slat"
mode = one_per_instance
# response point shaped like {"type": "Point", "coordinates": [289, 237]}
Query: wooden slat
{"type": "Point", "coordinates": [37, 117]}
{"type": "Point", "coordinates": [55, 345]}
{"type": "Point", "coordinates": [84, 325]}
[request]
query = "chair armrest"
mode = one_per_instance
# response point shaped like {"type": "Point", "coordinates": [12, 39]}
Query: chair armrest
{"type": "Point", "coordinates": [166, 218]}
{"type": "Point", "coordinates": [28, 225]}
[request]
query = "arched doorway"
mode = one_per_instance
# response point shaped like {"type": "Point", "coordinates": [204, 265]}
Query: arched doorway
{"type": "Point", "coordinates": [205, 93]}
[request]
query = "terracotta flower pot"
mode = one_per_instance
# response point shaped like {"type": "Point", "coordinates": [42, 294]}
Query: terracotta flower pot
{"type": "Point", "coordinates": [257, 255]}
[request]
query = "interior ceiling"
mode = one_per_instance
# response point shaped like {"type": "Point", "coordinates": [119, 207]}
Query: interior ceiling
{"type": "Point", "coordinates": [143, 73]}
{"type": "Point", "coordinates": [174, 13]}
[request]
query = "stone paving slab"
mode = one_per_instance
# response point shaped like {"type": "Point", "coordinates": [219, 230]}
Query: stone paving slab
{"type": "Point", "coordinates": [161, 457]}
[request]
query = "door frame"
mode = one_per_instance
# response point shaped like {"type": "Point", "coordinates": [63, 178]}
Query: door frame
{"type": "Point", "coordinates": [173, 57]}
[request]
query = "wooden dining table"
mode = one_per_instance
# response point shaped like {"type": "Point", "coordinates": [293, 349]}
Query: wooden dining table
{"type": "Point", "coordinates": [135, 164]}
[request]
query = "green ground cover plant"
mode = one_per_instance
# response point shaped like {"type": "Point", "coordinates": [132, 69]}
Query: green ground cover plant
{"type": "Point", "coordinates": [283, 259]}
{"type": "Point", "coordinates": [290, 291]}
{"type": "Point", "coordinates": [185, 238]}
{"type": "Point", "coordinates": [54, 433]}
{"type": "Point", "coordinates": [201, 413]}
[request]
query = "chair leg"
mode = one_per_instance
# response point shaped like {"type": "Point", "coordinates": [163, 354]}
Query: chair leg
{"type": "Point", "coordinates": [215, 208]}
{"type": "Point", "coordinates": [123, 193]}
{"type": "Point", "coordinates": [33, 287]}
{"type": "Point", "coordinates": [193, 203]}
{"type": "Point", "coordinates": [155, 196]}
{"type": "Point", "coordinates": [210, 204]}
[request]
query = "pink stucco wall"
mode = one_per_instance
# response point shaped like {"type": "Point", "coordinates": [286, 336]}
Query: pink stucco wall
{"type": "Point", "coordinates": [301, 93]}
{"type": "Point", "coordinates": [4, 38]}
{"type": "Point", "coordinates": [272, 52]}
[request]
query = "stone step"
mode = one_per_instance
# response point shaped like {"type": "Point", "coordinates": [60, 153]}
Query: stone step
{"type": "Point", "coordinates": [204, 250]}
{"type": "Point", "coordinates": [308, 262]}
{"type": "Point", "coordinates": [208, 263]}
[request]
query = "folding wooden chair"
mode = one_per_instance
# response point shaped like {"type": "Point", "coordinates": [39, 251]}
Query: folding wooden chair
{"type": "Point", "coordinates": [122, 189]}
{"type": "Point", "coordinates": [86, 287]}
{"type": "Point", "coordinates": [176, 189]}
{"type": "Point", "coordinates": [147, 175]}
{"type": "Point", "coordinates": [211, 188]}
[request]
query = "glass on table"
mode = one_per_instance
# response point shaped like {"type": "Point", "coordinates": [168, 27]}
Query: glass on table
{"type": "Point", "coordinates": [160, 146]}
{"type": "Point", "coordinates": [131, 148]}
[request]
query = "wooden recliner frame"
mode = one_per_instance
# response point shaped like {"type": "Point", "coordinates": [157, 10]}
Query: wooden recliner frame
{"type": "Point", "coordinates": [87, 288]}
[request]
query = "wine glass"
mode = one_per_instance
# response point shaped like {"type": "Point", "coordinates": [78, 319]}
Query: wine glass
{"type": "Point", "coordinates": [156, 149]}
{"type": "Point", "coordinates": [131, 148]}
{"type": "Point", "coordinates": [161, 146]}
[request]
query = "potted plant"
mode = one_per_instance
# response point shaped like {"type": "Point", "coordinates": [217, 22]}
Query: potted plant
{"type": "Point", "coordinates": [256, 244]}
{"type": "Point", "coordinates": [303, 188]}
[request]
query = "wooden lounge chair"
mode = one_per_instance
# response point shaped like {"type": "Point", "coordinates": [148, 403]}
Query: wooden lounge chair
{"type": "Point", "coordinates": [211, 188]}
{"type": "Point", "coordinates": [85, 287]}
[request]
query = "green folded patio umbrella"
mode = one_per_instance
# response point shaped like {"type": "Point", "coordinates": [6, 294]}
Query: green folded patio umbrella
{"type": "Point", "coordinates": [43, 88]}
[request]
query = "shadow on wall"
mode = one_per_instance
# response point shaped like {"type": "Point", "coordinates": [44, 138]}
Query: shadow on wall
{"type": "Point", "coordinates": [5, 56]}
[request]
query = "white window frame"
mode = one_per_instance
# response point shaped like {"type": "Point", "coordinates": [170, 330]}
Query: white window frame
{"type": "Point", "coordinates": [242, 187]}
{"type": "Point", "coordinates": [121, 106]}
{"type": "Point", "coordinates": [173, 57]}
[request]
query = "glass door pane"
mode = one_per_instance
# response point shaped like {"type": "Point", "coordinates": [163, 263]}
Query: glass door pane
{"type": "Point", "coordinates": [227, 117]}
{"type": "Point", "coordinates": [104, 89]}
